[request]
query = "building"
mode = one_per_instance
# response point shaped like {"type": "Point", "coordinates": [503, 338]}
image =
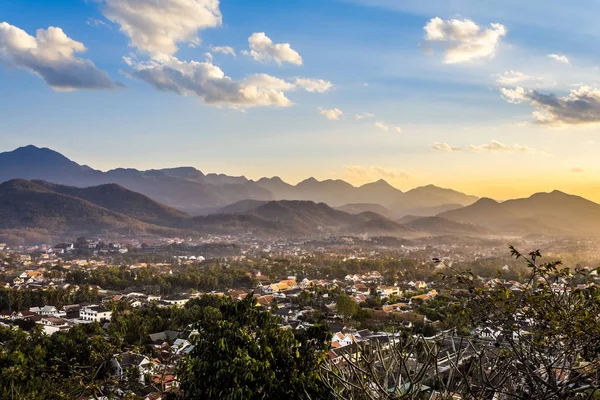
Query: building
{"type": "Point", "coordinates": [95, 314]}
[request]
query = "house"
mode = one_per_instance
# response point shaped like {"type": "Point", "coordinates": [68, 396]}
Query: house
{"type": "Point", "coordinates": [48, 310]}
{"type": "Point", "coordinates": [95, 313]}
{"type": "Point", "coordinates": [387, 291]}
{"type": "Point", "coordinates": [420, 285]}
{"type": "Point", "coordinates": [360, 288]}
{"type": "Point", "coordinates": [166, 381]}
{"type": "Point", "coordinates": [51, 325]}
{"type": "Point", "coordinates": [177, 300]}
{"type": "Point", "coordinates": [132, 361]}
{"type": "Point", "coordinates": [395, 307]}
{"type": "Point", "coordinates": [342, 339]}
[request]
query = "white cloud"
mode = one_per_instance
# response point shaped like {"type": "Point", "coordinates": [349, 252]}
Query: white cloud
{"type": "Point", "coordinates": [382, 126]}
{"type": "Point", "coordinates": [211, 85]}
{"type": "Point", "coordinates": [51, 56]}
{"type": "Point", "coordinates": [580, 107]}
{"type": "Point", "coordinates": [362, 174]}
{"type": "Point", "coordinates": [157, 27]}
{"type": "Point", "coordinates": [559, 58]}
{"type": "Point", "coordinates": [269, 82]}
{"type": "Point", "coordinates": [445, 147]}
{"type": "Point", "coordinates": [310, 85]}
{"type": "Point", "coordinates": [398, 129]}
{"type": "Point", "coordinates": [514, 77]}
{"type": "Point", "coordinates": [262, 49]}
{"type": "Point", "coordinates": [227, 50]}
{"type": "Point", "coordinates": [313, 85]}
{"type": "Point", "coordinates": [209, 56]}
{"type": "Point", "coordinates": [96, 23]}
{"type": "Point", "coordinates": [363, 115]}
{"type": "Point", "coordinates": [517, 95]}
{"type": "Point", "coordinates": [464, 40]}
{"type": "Point", "coordinates": [497, 147]}
{"type": "Point", "coordinates": [333, 114]}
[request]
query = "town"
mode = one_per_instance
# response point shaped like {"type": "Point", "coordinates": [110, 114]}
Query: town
{"type": "Point", "coordinates": [364, 291]}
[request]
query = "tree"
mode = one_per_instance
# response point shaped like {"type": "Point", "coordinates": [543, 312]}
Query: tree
{"type": "Point", "coordinates": [546, 345]}
{"type": "Point", "coordinates": [346, 306]}
{"type": "Point", "coordinates": [241, 353]}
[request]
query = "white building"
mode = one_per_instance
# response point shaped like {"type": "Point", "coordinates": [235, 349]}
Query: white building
{"type": "Point", "coordinates": [95, 313]}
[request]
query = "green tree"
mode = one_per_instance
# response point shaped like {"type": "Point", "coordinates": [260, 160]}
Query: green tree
{"type": "Point", "coordinates": [346, 306]}
{"type": "Point", "coordinates": [241, 353]}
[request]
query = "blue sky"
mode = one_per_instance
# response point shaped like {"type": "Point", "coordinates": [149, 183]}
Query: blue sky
{"type": "Point", "coordinates": [474, 102]}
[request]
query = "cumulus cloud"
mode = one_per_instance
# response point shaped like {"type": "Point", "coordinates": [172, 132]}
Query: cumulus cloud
{"type": "Point", "coordinates": [227, 50]}
{"type": "Point", "coordinates": [363, 115]}
{"type": "Point", "coordinates": [464, 40]}
{"type": "Point", "coordinates": [51, 56]}
{"type": "Point", "coordinates": [445, 147]}
{"type": "Point", "coordinates": [517, 95]}
{"type": "Point", "coordinates": [333, 114]}
{"type": "Point", "coordinates": [361, 174]}
{"type": "Point", "coordinates": [560, 58]}
{"type": "Point", "coordinates": [497, 147]}
{"type": "Point", "coordinates": [269, 82]}
{"type": "Point", "coordinates": [577, 170]}
{"type": "Point", "coordinates": [313, 85]}
{"type": "Point", "coordinates": [580, 107]}
{"type": "Point", "coordinates": [382, 126]}
{"type": "Point", "coordinates": [157, 27]}
{"type": "Point", "coordinates": [211, 85]}
{"type": "Point", "coordinates": [262, 49]}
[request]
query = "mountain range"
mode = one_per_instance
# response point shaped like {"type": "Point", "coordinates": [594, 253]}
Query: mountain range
{"type": "Point", "coordinates": [62, 211]}
{"type": "Point", "coordinates": [67, 210]}
{"type": "Point", "coordinates": [196, 193]}
{"type": "Point", "coordinates": [554, 214]}
{"type": "Point", "coordinates": [45, 191]}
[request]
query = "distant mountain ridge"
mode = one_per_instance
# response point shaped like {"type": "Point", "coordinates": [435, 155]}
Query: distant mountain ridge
{"type": "Point", "coordinates": [555, 213]}
{"type": "Point", "coordinates": [39, 205]}
{"type": "Point", "coordinates": [194, 192]}
{"type": "Point", "coordinates": [109, 208]}
{"type": "Point", "coordinates": [60, 209]}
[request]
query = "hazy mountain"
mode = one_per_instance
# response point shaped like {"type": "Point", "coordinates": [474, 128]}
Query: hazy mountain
{"type": "Point", "coordinates": [280, 189]}
{"type": "Point", "coordinates": [438, 226]}
{"type": "Point", "coordinates": [554, 213]}
{"type": "Point", "coordinates": [241, 207]}
{"type": "Point", "coordinates": [34, 205]}
{"type": "Point", "coordinates": [334, 192]}
{"type": "Point", "coordinates": [357, 208]}
{"type": "Point", "coordinates": [64, 210]}
{"type": "Point", "coordinates": [418, 200]}
{"type": "Point", "coordinates": [379, 192]}
{"type": "Point", "coordinates": [184, 188]}
{"type": "Point", "coordinates": [190, 173]}
{"type": "Point", "coordinates": [116, 198]}
{"type": "Point", "coordinates": [222, 179]}
{"type": "Point", "coordinates": [300, 218]}
{"type": "Point", "coordinates": [431, 211]}
{"type": "Point", "coordinates": [194, 192]}
{"type": "Point", "coordinates": [30, 162]}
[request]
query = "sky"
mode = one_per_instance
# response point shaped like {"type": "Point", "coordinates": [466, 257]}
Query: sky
{"type": "Point", "coordinates": [494, 98]}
